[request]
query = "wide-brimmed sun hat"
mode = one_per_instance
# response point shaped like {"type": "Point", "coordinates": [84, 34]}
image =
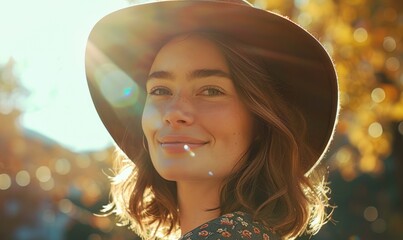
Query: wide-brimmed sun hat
{"type": "Point", "coordinates": [122, 46]}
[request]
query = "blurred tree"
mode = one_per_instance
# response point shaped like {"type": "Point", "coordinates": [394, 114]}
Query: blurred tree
{"type": "Point", "coordinates": [364, 38]}
{"type": "Point", "coordinates": [47, 192]}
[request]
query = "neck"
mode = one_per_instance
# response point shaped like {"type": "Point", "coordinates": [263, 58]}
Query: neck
{"type": "Point", "coordinates": [195, 203]}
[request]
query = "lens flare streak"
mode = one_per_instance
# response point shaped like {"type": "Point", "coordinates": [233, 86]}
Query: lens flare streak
{"type": "Point", "coordinates": [187, 148]}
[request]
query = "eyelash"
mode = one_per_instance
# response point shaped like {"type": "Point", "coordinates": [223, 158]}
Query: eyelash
{"type": "Point", "coordinates": [154, 90]}
{"type": "Point", "coordinates": [218, 91]}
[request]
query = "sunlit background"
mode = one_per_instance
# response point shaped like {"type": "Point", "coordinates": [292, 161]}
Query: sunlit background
{"type": "Point", "coordinates": [44, 40]}
{"type": "Point", "coordinates": [55, 153]}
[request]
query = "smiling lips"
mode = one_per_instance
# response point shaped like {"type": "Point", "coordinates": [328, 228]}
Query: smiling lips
{"type": "Point", "coordinates": [180, 144]}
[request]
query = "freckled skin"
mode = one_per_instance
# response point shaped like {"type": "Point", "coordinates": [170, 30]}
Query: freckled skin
{"type": "Point", "coordinates": [183, 106]}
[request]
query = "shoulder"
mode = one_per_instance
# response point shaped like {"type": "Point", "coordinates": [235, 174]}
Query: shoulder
{"type": "Point", "coordinates": [237, 225]}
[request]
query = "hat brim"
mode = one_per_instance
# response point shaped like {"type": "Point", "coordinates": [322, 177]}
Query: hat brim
{"type": "Point", "coordinates": [126, 42]}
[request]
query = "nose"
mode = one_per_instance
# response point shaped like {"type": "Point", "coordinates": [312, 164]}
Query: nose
{"type": "Point", "coordinates": [178, 112]}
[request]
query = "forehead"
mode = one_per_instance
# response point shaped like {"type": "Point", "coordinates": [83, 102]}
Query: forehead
{"type": "Point", "coordinates": [190, 51]}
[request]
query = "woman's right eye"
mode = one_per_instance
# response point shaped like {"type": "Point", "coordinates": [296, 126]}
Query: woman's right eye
{"type": "Point", "coordinates": [160, 91]}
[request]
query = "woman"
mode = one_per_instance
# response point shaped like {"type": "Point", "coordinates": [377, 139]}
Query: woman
{"type": "Point", "coordinates": [221, 112]}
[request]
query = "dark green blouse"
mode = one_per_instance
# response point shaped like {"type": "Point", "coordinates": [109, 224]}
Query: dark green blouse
{"type": "Point", "coordinates": [237, 225]}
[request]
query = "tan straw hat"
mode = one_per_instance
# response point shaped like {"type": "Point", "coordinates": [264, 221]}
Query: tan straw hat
{"type": "Point", "coordinates": [123, 44]}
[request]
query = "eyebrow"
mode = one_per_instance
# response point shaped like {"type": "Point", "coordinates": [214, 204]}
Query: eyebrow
{"type": "Point", "coordinates": [161, 74]}
{"type": "Point", "coordinates": [204, 73]}
{"type": "Point", "coordinates": [198, 73]}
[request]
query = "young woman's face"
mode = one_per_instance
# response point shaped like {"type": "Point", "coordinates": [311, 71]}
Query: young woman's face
{"type": "Point", "coordinates": [196, 126]}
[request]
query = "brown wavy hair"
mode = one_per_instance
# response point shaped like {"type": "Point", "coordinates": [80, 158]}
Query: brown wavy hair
{"type": "Point", "coordinates": [270, 182]}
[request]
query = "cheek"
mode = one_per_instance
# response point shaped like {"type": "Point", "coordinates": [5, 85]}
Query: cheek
{"type": "Point", "coordinates": [233, 135]}
{"type": "Point", "coordinates": [150, 120]}
{"type": "Point", "coordinates": [239, 141]}
{"type": "Point", "coordinates": [235, 126]}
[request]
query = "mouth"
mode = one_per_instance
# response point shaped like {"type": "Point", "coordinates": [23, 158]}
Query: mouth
{"type": "Point", "coordinates": [177, 144]}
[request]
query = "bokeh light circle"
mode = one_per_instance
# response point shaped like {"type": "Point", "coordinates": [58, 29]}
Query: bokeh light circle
{"type": "Point", "coordinates": [389, 44]}
{"type": "Point", "coordinates": [65, 206]}
{"type": "Point", "coordinates": [375, 130]}
{"type": "Point", "coordinates": [400, 128]}
{"type": "Point", "coordinates": [43, 174]}
{"type": "Point", "coordinates": [379, 226]}
{"type": "Point", "coordinates": [378, 95]}
{"type": "Point", "coordinates": [62, 166]}
{"type": "Point", "coordinates": [48, 185]}
{"type": "Point", "coordinates": [392, 64]}
{"type": "Point", "coordinates": [370, 213]}
{"type": "Point", "coordinates": [23, 178]}
{"type": "Point", "coordinates": [360, 35]}
{"type": "Point", "coordinates": [5, 181]}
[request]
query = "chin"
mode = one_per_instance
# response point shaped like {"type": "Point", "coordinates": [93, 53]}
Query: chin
{"type": "Point", "coordinates": [182, 175]}
{"type": "Point", "coordinates": [170, 173]}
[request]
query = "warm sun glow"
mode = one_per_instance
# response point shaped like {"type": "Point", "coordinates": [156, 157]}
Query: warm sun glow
{"type": "Point", "coordinates": [46, 39]}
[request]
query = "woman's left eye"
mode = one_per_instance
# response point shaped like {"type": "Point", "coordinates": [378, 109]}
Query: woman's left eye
{"type": "Point", "coordinates": [212, 91]}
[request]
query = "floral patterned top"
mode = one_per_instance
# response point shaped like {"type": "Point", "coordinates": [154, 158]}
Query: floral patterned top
{"type": "Point", "coordinates": [237, 225]}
